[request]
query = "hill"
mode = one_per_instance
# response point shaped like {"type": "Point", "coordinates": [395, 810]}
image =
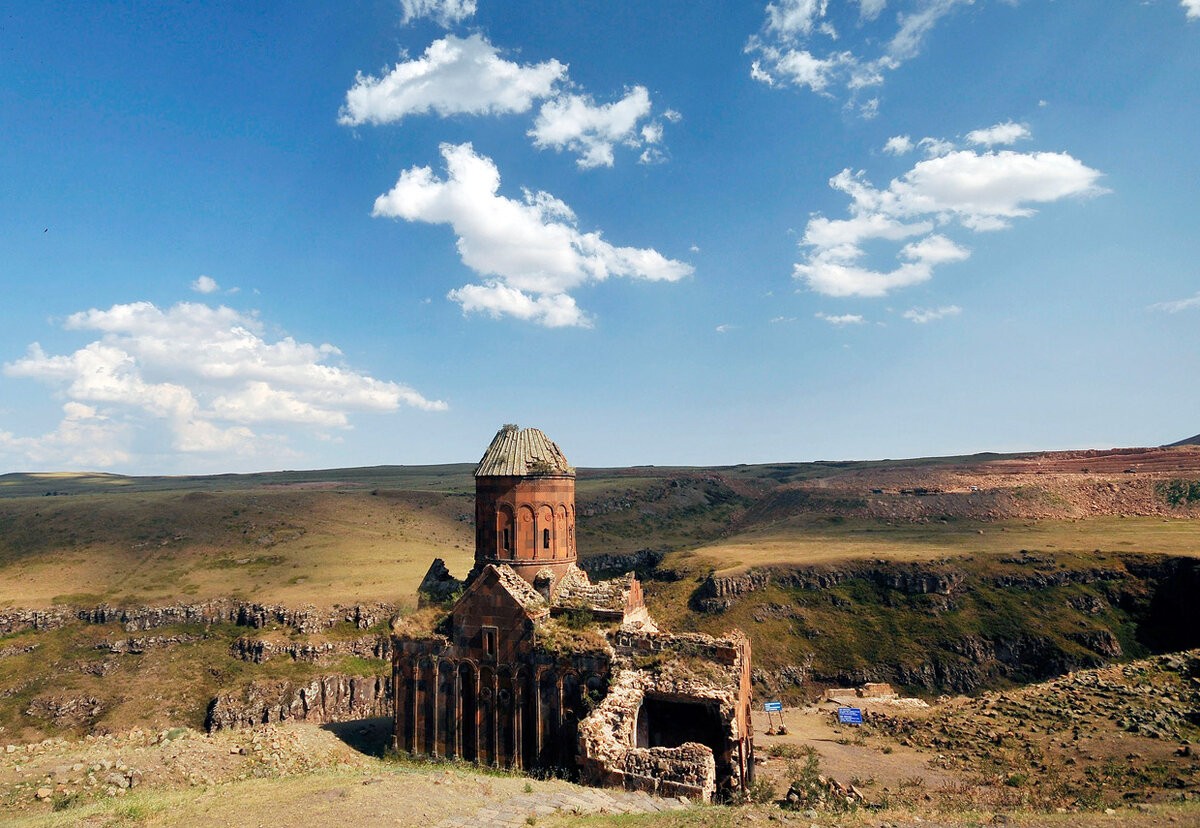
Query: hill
{"type": "Point", "coordinates": [1191, 441]}
{"type": "Point", "coordinates": [939, 574]}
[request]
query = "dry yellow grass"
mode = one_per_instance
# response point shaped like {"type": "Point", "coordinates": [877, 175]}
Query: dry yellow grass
{"type": "Point", "coordinates": [796, 543]}
{"type": "Point", "coordinates": [291, 547]}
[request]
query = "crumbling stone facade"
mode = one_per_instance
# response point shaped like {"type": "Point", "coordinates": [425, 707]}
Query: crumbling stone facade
{"type": "Point", "coordinates": [535, 667]}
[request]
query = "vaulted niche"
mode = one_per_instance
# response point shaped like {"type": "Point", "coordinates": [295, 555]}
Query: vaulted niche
{"type": "Point", "coordinates": [667, 722]}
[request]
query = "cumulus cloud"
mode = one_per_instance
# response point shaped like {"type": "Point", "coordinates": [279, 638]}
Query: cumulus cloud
{"type": "Point", "coordinates": [794, 47]}
{"type": "Point", "coordinates": [1177, 305]}
{"type": "Point", "coordinates": [974, 190]}
{"type": "Point", "coordinates": [467, 76]}
{"type": "Point", "coordinates": [1192, 7]}
{"type": "Point", "coordinates": [1006, 133]}
{"type": "Point", "coordinates": [205, 284]}
{"type": "Point", "coordinates": [454, 76]}
{"type": "Point", "coordinates": [577, 123]}
{"type": "Point", "coordinates": [207, 373]}
{"type": "Point", "coordinates": [898, 145]}
{"type": "Point", "coordinates": [445, 12]}
{"type": "Point", "coordinates": [530, 252]}
{"type": "Point", "coordinates": [841, 320]}
{"type": "Point", "coordinates": [922, 316]}
{"type": "Point", "coordinates": [84, 439]}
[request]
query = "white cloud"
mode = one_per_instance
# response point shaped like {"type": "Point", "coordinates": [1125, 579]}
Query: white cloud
{"type": "Point", "coordinates": [445, 12]}
{"type": "Point", "coordinates": [724, 328]}
{"type": "Point", "coordinates": [1006, 133]}
{"type": "Point", "coordinates": [84, 439]}
{"type": "Point", "coordinates": [467, 76]}
{"type": "Point", "coordinates": [916, 25]}
{"type": "Point", "coordinates": [870, 9]}
{"type": "Point", "coordinates": [842, 319]}
{"type": "Point", "coordinates": [1192, 7]}
{"type": "Point", "coordinates": [576, 123]}
{"type": "Point", "coordinates": [793, 47]}
{"type": "Point", "coordinates": [205, 284]}
{"type": "Point", "coordinates": [454, 76]}
{"type": "Point", "coordinates": [206, 373]}
{"type": "Point", "coordinates": [978, 191]}
{"type": "Point", "coordinates": [530, 251]}
{"type": "Point", "coordinates": [1178, 305]}
{"type": "Point", "coordinates": [933, 147]}
{"type": "Point", "coordinates": [498, 299]}
{"type": "Point", "coordinates": [922, 316]}
{"type": "Point", "coordinates": [898, 145]}
{"type": "Point", "coordinates": [792, 17]}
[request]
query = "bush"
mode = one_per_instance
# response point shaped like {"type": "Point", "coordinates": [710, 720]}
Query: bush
{"type": "Point", "coordinates": [1180, 492]}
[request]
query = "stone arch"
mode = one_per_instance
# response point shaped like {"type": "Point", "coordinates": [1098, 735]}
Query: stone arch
{"type": "Point", "coordinates": [406, 714]}
{"type": "Point", "coordinates": [486, 717]}
{"type": "Point", "coordinates": [426, 684]}
{"type": "Point", "coordinates": [506, 532]}
{"type": "Point", "coordinates": [525, 548]}
{"type": "Point", "coordinates": [468, 682]}
{"type": "Point", "coordinates": [447, 713]}
{"type": "Point", "coordinates": [562, 545]}
{"type": "Point", "coordinates": [573, 711]}
{"type": "Point", "coordinates": [505, 724]}
{"type": "Point", "coordinates": [545, 533]}
{"type": "Point", "coordinates": [550, 716]}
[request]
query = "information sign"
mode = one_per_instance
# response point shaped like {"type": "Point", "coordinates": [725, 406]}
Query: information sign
{"type": "Point", "coordinates": [773, 707]}
{"type": "Point", "coordinates": [850, 715]}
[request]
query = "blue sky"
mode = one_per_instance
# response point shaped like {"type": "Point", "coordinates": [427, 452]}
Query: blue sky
{"type": "Point", "coordinates": [267, 236]}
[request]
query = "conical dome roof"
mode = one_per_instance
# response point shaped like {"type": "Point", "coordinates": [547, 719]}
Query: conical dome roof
{"type": "Point", "coordinates": [520, 452]}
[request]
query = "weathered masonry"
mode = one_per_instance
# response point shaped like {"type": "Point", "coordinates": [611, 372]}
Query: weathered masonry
{"type": "Point", "coordinates": [534, 667]}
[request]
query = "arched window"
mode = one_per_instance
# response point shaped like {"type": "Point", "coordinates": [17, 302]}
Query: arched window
{"type": "Point", "coordinates": [506, 533]}
{"type": "Point", "coordinates": [545, 539]}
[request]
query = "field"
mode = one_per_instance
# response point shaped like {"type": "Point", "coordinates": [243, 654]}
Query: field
{"type": "Point", "coordinates": [803, 541]}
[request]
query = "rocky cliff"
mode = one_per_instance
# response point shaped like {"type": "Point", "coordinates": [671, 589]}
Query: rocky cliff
{"type": "Point", "coordinates": [330, 698]}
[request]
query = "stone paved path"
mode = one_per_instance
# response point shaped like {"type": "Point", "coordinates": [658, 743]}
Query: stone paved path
{"type": "Point", "coordinates": [515, 811]}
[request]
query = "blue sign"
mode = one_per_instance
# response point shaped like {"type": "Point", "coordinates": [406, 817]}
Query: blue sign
{"type": "Point", "coordinates": [849, 715]}
{"type": "Point", "coordinates": [773, 707]}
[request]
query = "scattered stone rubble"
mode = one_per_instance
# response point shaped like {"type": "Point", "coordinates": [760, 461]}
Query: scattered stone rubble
{"type": "Point", "coordinates": [1056, 729]}
{"type": "Point", "coordinates": [17, 649]}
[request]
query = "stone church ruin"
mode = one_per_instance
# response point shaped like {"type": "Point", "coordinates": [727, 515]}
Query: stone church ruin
{"type": "Point", "coordinates": [534, 667]}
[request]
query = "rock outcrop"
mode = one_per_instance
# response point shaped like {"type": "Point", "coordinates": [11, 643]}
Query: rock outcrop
{"type": "Point", "coordinates": [258, 651]}
{"type": "Point", "coordinates": [331, 698]}
{"type": "Point", "coordinates": [307, 619]}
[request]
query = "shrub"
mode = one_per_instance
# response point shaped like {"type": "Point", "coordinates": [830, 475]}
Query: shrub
{"type": "Point", "coordinates": [1180, 492]}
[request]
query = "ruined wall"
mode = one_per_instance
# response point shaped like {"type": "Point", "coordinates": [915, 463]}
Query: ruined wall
{"type": "Point", "coordinates": [609, 755]}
